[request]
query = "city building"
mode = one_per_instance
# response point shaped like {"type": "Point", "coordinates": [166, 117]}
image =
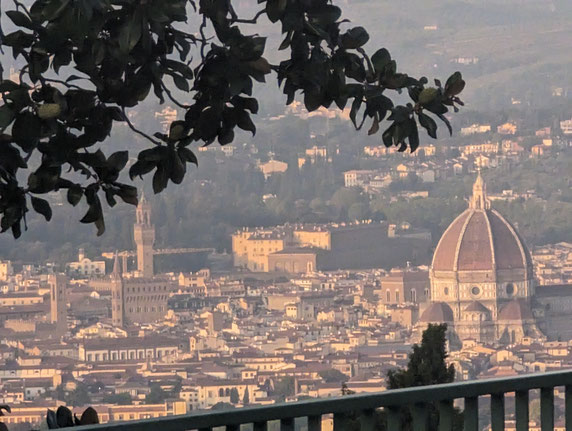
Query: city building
{"type": "Point", "coordinates": [272, 167]}
{"type": "Point", "coordinates": [309, 247]}
{"type": "Point", "coordinates": [86, 267]}
{"type": "Point", "coordinates": [58, 302]}
{"type": "Point", "coordinates": [6, 270]}
{"type": "Point", "coordinates": [482, 281]}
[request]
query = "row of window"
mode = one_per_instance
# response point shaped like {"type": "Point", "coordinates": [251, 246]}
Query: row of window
{"type": "Point", "coordinates": [147, 298]}
{"type": "Point", "coordinates": [114, 356]}
{"type": "Point", "coordinates": [413, 297]}
{"type": "Point", "coordinates": [510, 290]}
{"type": "Point", "coordinates": [146, 289]}
{"type": "Point", "coordinates": [153, 309]}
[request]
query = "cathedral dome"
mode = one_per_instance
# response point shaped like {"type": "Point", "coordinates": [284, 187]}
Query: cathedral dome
{"type": "Point", "coordinates": [481, 239]}
{"type": "Point", "coordinates": [437, 312]}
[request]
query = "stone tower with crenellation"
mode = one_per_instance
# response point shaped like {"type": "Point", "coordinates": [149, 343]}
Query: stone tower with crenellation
{"type": "Point", "coordinates": [144, 234]}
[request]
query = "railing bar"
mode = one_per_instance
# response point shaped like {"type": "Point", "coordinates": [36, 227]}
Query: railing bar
{"type": "Point", "coordinates": [420, 417]}
{"type": "Point", "coordinates": [393, 419]}
{"type": "Point", "coordinates": [547, 409]}
{"type": "Point", "coordinates": [314, 423]}
{"type": "Point", "coordinates": [568, 406]}
{"type": "Point", "coordinates": [367, 420]}
{"type": "Point", "coordinates": [446, 415]}
{"type": "Point", "coordinates": [358, 402]}
{"type": "Point", "coordinates": [471, 414]}
{"type": "Point", "coordinates": [497, 412]}
{"type": "Point", "coordinates": [232, 428]}
{"type": "Point", "coordinates": [260, 426]}
{"type": "Point", "coordinates": [287, 424]}
{"type": "Point", "coordinates": [521, 410]}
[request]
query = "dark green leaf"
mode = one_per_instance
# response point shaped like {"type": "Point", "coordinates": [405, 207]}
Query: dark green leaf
{"type": "Point", "coordinates": [118, 160]}
{"type": "Point", "coordinates": [74, 195]}
{"type": "Point", "coordinates": [54, 8]}
{"type": "Point", "coordinates": [41, 206]}
{"type": "Point", "coordinates": [355, 38]}
{"type": "Point", "coordinates": [275, 9]}
{"type": "Point", "coordinates": [6, 116]}
{"type": "Point", "coordinates": [244, 121]}
{"type": "Point", "coordinates": [20, 19]}
{"type": "Point", "coordinates": [429, 124]}
{"type": "Point", "coordinates": [160, 179]}
{"type": "Point", "coordinates": [140, 168]}
{"type": "Point", "coordinates": [380, 59]}
{"type": "Point", "coordinates": [187, 155]}
{"type": "Point", "coordinates": [130, 33]}
{"type": "Point", "coordinates": [128, 194]}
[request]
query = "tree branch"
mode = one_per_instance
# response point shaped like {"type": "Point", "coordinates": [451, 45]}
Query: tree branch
{"type": "Point", "coordinates": [139, 132]}
{"type": "Point", "coordinates": [254, 20]}
{"type": "Point", "coordinates": [170, 96]}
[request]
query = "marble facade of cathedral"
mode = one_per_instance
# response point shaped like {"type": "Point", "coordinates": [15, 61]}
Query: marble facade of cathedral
{"type": "Point", "coordinates": [482, 282]}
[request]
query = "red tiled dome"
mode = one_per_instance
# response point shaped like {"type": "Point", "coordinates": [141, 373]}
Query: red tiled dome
{"type": "Point", "coordinates": [437, 312]}
{"type": "Point", "coordinates": [516, 309]}
{"type": "Point", "coordinates": [481, 239]}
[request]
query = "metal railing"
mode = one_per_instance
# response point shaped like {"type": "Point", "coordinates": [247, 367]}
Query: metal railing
{"type": "Point", "coordinates": [363, 408]}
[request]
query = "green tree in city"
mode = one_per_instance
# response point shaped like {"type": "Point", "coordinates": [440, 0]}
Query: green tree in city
{"type": "Point", "coordinates": [156, 396]}
{"type": "Point", "coordinates": [246, 397]}
{"type": "Point", "coordinates": [333, 376]}
{"type": "Point", "coordinates": [88, 65]}
{"type": "Point", "coordinates": [123, 399]}
{"type": "Point", "coordinates": [427, 366]}
{"type": "Point", "coordinates": [234, 397]}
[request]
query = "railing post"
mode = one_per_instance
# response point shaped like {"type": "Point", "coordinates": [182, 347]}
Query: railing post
{"type": "Point", "coordinates": [446, 415]}
{"type": "Point", "coordinates": [568, 407]}
{"type": "Point", "coordinates": [287, 425]}
{"type": "Point", "coordinates": [341, 422]}
{"type": "Point", "coordinates": [367, 420]}
{"type": "Point", "coordinates": [314, 423]}
{"type": "Point", "coordinates": [497, 412]}
{"type": "Point", "coordinates": [547, 409]}
{"type": "Point", "coordinates": [521, 410]}
{"type": "Point", "coordinates": [233, 428]}
{"type": "Point", "coordinates": [471, 414]}
{"type": "Point", "coordinates": [420, 417]}
{"type": "Point", "coordinates": [260, 426]}
{"type": "Point", "coordinates": [393, 419]}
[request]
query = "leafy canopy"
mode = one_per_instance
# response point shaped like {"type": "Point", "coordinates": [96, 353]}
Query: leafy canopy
{"type": "Point", "coordinates": [87, 63]}
{"type": "Point", "coordinates": [427, 362]}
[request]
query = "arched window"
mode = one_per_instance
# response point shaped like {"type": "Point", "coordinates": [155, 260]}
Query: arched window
{"type": "Point", "coordinates": [413, 296]}
{"type": "Point", "coordinates": [397, 296]}
{"type": "Point", "coordinates": [510, 289]}
{"type": "Point", "coordinates": [388, 296]}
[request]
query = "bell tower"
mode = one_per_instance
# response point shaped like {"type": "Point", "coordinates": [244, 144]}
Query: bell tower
{"type": "Point", "coordinates": [58, 299]}
{"type": "Point", "coordinates": [144, 234]}
{"type": "Point", "coordinates": [117, 303]}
